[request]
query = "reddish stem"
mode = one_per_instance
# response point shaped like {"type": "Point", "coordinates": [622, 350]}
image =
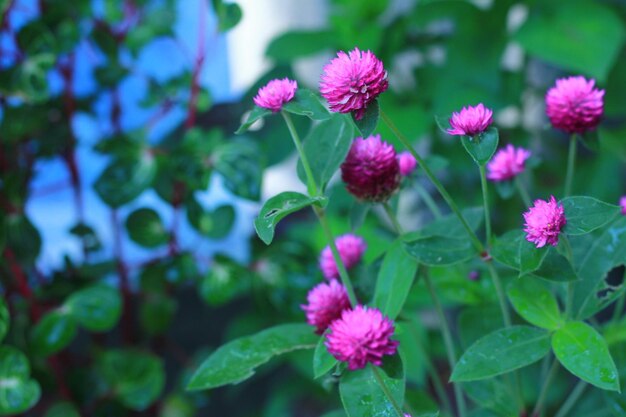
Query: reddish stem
{"type": "Point", "coordinates": [192, 108]}
{"type": "Point", "coordinates": [22, 283]}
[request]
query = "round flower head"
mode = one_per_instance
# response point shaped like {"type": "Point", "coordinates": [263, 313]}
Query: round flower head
{"type": "Point", "coordinates": [406, 162]}
{"type": "Point", "coordinates": [350, 82]}
{"type": "Point", "coordinates": [507, 163]}
{"type": "Point", "coordinates": [544, 222]}
{"type": "Point", "coordinates": [574, 105]}
{"type": "Point", "coordinates": [622, 203]}
{"type": "Point", "coordinates": [371, 170]}
{"type": "Point", "coordinates": [275, 94]}
{"type": "Point", "coordinates": [326, 301]}
{"type": "Point", "coordinates": [360, 336]}
{"type": "Point", "coordinates": [470, 121]}
{"type": "Point", "coordinates": [350, 247]}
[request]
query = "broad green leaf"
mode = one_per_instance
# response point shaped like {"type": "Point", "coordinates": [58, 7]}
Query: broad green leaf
{"type": "Point", "coordinates": [362, 396]}
{"type": "Point", "coordinates": [22, 237]}
{"type": "Point", "coordinates": [586, 214]}
{"type": "Point", "coordinates": [225, 280]}
{"type": "Point", "coordinates": [475, 322]}
{"type": "Point", "coordinates": [136, 378]}
{"type": "Point", "coordinates": [255, 114]}
{"type": "Point", "coordinates": [506, 248]}
{"type": "Point", "coordinates": [493, 394]}
{"type": "Point", "coordinates": [306, 103]}
{"type": "Point", "coordinates": [54, 332]}
{"type": "Point", "coordinates": [323, 361]}
{"type": "Point", "coordinates": [326, 147]}
{"type": "Point", "coordinates": [235, 361]}
{"type": "Point", "coordinates": [358, 214]}
{"type": "Point", "coordinates": [276, 208]}
{"type": "Point", "coordinates": [535, 303]}
{"type": "Point", "coordinates": [296, 44]}
{"type": "Point", "coordinates": [482, 146]}
{"type": "Point", "coordinates": [555, 268]}
{"type": "Point", "coordinates": [530, 257]}
{"type": "Point", "coordinates": [215, 224]}
{"type": "Point", "coordinates": [439, 250]}
{"type": "Point", "coordinates": [583, 352]}
{"type": "Point", "coordinates": [505, 189]}
{"type": "Point", "coordinates": [228, 14]}
{"type": "Point", "coordinates": [500, 352]}
{"type": "Point", "coordinates": [367, 123]}
{"type": "Point", "coordinates": [450, 226]}
{"type": "Point", "coordinates": [239, 163]}
{"type": "Point", "coordinates": [413, 338]}
{"type": "Point", "coordinates": [394, 280]}
{"type": "Point", "coordinates": [145, 227]}
{"type": "Point", "coordinates": [4, 319]}
{"type": "Point", "coordinates": [156, 313]}
{"type": "Point", "coordinates": [62, 409]}
{"type": "Point", "coordinates": [582, 37]}
{"type": "Point", "coordinates": [614, 332]}
{"type": "Point", "coordinates": [124, 179]}
{"type": "Point", "coordinates": [18, 392]}
{"type": "Point", "coordinates": [96, 308]}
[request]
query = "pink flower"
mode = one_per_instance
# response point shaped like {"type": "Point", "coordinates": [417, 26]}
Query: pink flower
{"type": "Point", "coordinates": [406, 162]}
{"type": "Point", "coordinates": [350, 247]}
{"type": "Point", "coordinates": [507, 163]}
{"type": "Point", "coordinates": [622, 203]}
{"type": "Point", "coordinates": [470, 121]}
{"type": "Point", "coordinates": [352, 81]}
{"type": "Point", "coordinates": [574, 105]}
{"type": "Point", "coordinates": [371, 170]}
{"type": "Point", "coordinates": [544, 222]}
{"type": "Point", "coordinates": [325, 304]}
{"type": "Point", "coordinates": [275, 94]}
{"type": "Point", "coordinates": [360, 336]}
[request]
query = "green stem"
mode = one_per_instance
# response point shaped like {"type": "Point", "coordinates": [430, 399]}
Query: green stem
{"type": "Point", "coordinates": [544, 390]}
{"type": "Point", "coordinates": [569, 298]}
{"type": "Point", "coordinates": [571, 399]}
{"type": "Point", "coordinates": [497, 283]}
{"type": "Point", "coordinates": [522, 191]}
{"type": "Point", "coordinates": [444, 193]}
{"type": "Point", "coordinates": [428, 200]}
{"type": "Point", "coordinates": [483, 185]}
{"type": "Point", "coordinates": [447, 339]}
{"type": "Point", "coordinates": [393, 218]}
{"type": "Point", "coordinates": [619, 306]}
{"type": "Point", "coordinates": [386, 391]}
{"type": "Point", "coordinates": [571, 159]}
{"type": "Point", "coordinates": [311, 187]}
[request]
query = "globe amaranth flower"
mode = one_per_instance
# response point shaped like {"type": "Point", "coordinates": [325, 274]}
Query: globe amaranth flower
{"type": "Point", "coordinates": [507, 163]}
{"type": "Point", "coordinates": [574, 105]}
{"type": "Point", "coordinates": [326, 301]}
{"type": "Point", "coordinates": [470, 121]}
{"type": "Point", "coordinates": [371, 171]}
{"type": "Point", "coordinates": [350, 82]}
{"type": "Point", "coordinates": [350, 248]}
{"type": "Point", "coordinates": [276, 93]}
{"type": "Point", "coordinates": [544, 221]}
{"type": "Point", "coordinates": [406, 162]}
{"type": "Point", "coordinates": [622, 203]}
{"type": "Point", "coordinates": [360, 336]}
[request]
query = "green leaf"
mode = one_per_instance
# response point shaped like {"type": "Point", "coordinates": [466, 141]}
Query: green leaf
{"type": "Point", "coordinates": [97, 308]}
{"type": "Point", "coordinates": [22, 237]}
{"type": "Point", "coordinates": [505, 189]}
{"type": "Point", "coordinates": [394, 280]}
{"type": "Point", "coordinates": [555, 268]}
{"type": "Point", "coordinates": [145, 227]}
{"type": "Point", "coordinates": [235, 361]}
{"type": "Point", "coordinates": [136, 378]}
{"type": "Point", "coordinates": [306, 103]}
{"type": "Point", "coordinates": [586, 214]}
{"type": "Point", "coordinates": [5, 319]}
{"type": "Point", "coordinates": [583, 37]}
{"type": "Point", "coordinates": [156, 313]}
{"type": "Point", "coordinates": [62, 409]}
{"type": "Point", "coordinates": [439, 250]}
{"type": "Point", "coordinates": [493, 394]}
{"type": "Point", "coordinates": [323, 361]}
{"type": "Point", "coordinates": [583, 352]}
{"type": "Point", "coordinates": [367, 123]}
{"type": "Point", "coordinates": [215, 224]}
{"type": "Point", "coordinates": [296, 44]}
{"type": "Point", "coordinates": [255, 114]}
{"type": "Point", "coordinates": [506, 248]}
{"type": "Point", "coordinates": [530, 257]}
{"type": "Point", "coordinates": [482, 146]}
{"type": "Point", "coordinates": [362, 396]}
{"type": "Point", "coordinates": [54, 332]}
{"type": "Point", "coordinates": [276, 208]}
{"type": "Point", "coordinates": [228, 15]}
{"type": "Point", "coordinates": [326, 147]}
{"type": "Point", "coordinates": [500, 352]}
{"type": "Point", "coordinates": [239, 163]}
{"type": "Point", "coordinates": [535, 303]}
{"type": "Point", "coordinates": [450, 226]}
{"type": "Point", "coordinates": [225, 280]}
{"type": "Point", "coordinates": [18, 392]}
{"type": "Point", "coordinates": [124, 180]}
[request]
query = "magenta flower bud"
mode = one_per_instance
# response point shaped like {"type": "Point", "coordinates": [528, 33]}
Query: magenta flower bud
{"type": "Point", "coordinates": [360, 336]}
{"type": "Point", "coordinates": [326, 301]}
{"type": "Point", "coordinates": [574, 105]}
{"type": "Point", "coordinates": [622, 203]}
{"type": "Point", "coordinates": [544, 222]}
{"type": "Point", "coordinates": [352, 81]}
{"type": "Point", "coordinates": [406, 162]}
{"type": "Point", "coordinates": [275, 94]}
{"type": "Point", "coordinates": [470, 121]}
{"type": "Point", "coordinates": [371, 170]}
{"type": "Point", "coordinates": [350, 248]}
{"type": "Point", "coordinates": [507, 163]}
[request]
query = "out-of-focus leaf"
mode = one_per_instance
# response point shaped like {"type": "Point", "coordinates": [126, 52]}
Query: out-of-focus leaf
{"type": "Point", "coordinates": [145, 227]}
{"type": "Point", "coordinates": [123, 180]}
{"type": "Point", "coordinates": [97, 308]}
{"type": "Point", "coordinates": [368, 122]}
{"type": "Point", "coordinates": [394, 280]}
{"type": "Point", "coordinates": [296, 44]}
{"type": "Point", "coordinates": [239, 162]}
{"type": "Point", "coordinates": [18, 392]}
{"type": "Point", "coordinates": [54, 332]}
{"type": "Point", "coordinates": [4, 320]}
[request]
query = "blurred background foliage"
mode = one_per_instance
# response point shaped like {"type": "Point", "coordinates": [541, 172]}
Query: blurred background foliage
{"type": "Point", "coordinates": [100, 334]}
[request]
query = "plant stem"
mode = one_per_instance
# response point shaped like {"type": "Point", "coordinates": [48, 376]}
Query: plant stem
{"type": "Point", "coordinates": [572, 398]}
{"type": "Point", "coordinates": [483, 185]}
{"type": "Point", "coordinates": [393, 218]}
{"type": "Point", "coordinates": [619, 306]}
{"type": "Point", "coordinates": [447, 339]}
{"type": "Point", "coordinates": [571, 159]}
{"type": "Point", "coordinates": [386, 391]}
{"type": "Point", "coordinates": [497, 283]}
{"type": "Point", "coordinates": [522, 191]}
{"type": "Point", "coordinates": [428, 200]}
{"type": "Point", "coordinates": [312, 188]}
{"type": "Point", "coordinates": [444, 193]}
{"type": "Point", "coordinates": [544, 390]}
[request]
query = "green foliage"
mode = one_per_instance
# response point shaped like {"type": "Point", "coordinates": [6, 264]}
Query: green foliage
{"type": "Point", "coordinates": [53, 332]}
{"type": "Point", "coordinates": [145, 228]}
{"type": "Point", "coordinates": [323, 361]}
{"type": "Point", "coordinates": [586, 214]}
{"type": "Point", "coordinates": [482, 146]}
{"type": "Point", "coordinates": [97, 308]}
{"type": "Point", "coordinates": [124, 179]}
{"type": "Point", "coordinates": [18, 392]}
{"type": "Point", "coordinates": [535, 303]}
{"type": "Point", "coordinates": [5, 320]}
{"type": "Point", "coordinates": [369, 119]}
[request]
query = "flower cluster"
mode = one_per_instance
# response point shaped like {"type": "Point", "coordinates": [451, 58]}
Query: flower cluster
{"type": "Point", "coordinates": [470, 121]}
{"type": "Point", "coordinates": [507, 163]}
{"type": "Point", "coordinates": [350, 248]}
{"type": "Point", "coordinates": [622, 203]}
{"type": "Point", "coordinates": [326, 301]}
{"type": "Point", "coordinates": [406, 162]}
{"type": "Point", "coordinates": [544, 222]}
{"type": "Point", "coordinates": [276, 93]}
{"type": "Point", "coordinates": [574, 105]}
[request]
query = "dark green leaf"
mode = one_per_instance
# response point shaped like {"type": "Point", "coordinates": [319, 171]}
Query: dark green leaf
{"type": "Point", "coordinates": [358, 213]}
{"type": "Point", "coordinates": [535, 303]}
{"type": "Point", "coordinates": [323, 361]}
{"type": "Point", "coordinates": [54, 332]}
{"type": "Point", "coordinates": [4, 320]}
{"type": "Point", "coordinates": [450, 226]}
{"type": "Point", "coordinates": [239, 162]}
{"type": "Point", "coordinates": [583, 352]}
{"type": "Point", "coordinates": [255, 114]}
{"type": "Point", "coordinates": [22, 237]}
{"type": "Point", "coordinates": [97, 308]}
{"type": "Point", "coordinates": [394, 280]}
{"type": "Point", "coordinates": [296, 44]}
{"type": "Point", "coordinates": [225, 280]}
{"type": "Point", "coordinates": [530, 257]}
{"type": "Point", "coordinates": [63, 409]}
{"type": "Point", "coordinates": [555, 268]}
{"type": "Point", "coordinates": [228, 14]}
{"type": "Point", "coordinates": [439, 250]}
{"type": "Point", "coordinates": [502, 351]}
{"type": "Point", "coordinates": [145, 227]}
{"type": "Point", "coordinates": [276, 208]}
{"type": "Point", "coordinates": [235, 361]}
{"type": "Point", "coordinates": [494, 395]}
{"type": "Point", "coordinates": [482, 146]}
{"type": "Point", "coordinates": [123, 180]}
{"type": "Point", "coordinates": [306, 103]}
{"type": "Point", "coordinates": [586, 214]}
{"type": "Point", "coordinates": [505, 189]}
{"type": "Point", "coordinates": [18, 392]}
{"type": "Point", "coordinates": [506, 249]}
{"type": "Point", "coordinates": [368, 122]}
{"type": "Point", "coordinates": [215, 224]}
{"type": "Point", "coordinates": [156, 313]}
